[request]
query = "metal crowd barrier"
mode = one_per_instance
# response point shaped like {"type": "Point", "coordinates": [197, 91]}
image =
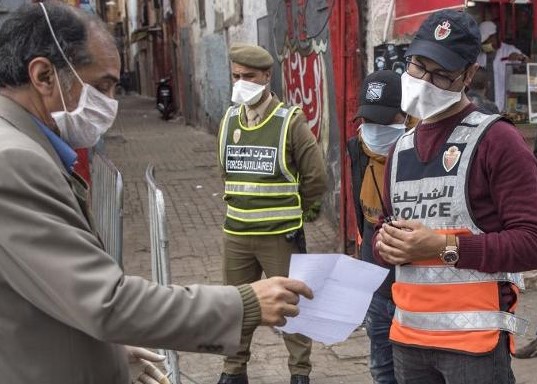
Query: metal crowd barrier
{"type": "Point", "coordinates": [107, 204]}
{"type": "Point", "coordinates": [160, 263]}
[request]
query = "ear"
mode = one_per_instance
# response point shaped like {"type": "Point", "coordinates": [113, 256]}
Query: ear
{"type": "Point", "coordinates": [470, 73]}
{"type": "Point", "coordinates": [42, 76]}
{"type": "Point", "coordinates": [268, 74]}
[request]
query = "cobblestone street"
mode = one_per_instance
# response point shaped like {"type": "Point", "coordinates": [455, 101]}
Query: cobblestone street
{"type": "Point", "coordinates": [185, 167]}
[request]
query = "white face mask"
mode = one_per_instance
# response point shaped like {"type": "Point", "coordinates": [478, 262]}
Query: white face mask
{"type": "Point", "coordinates": [487, 48]}
{"type": "Point", "coordinates": [380, 138]}
{"type": "Point", "coordinates": [93, 116]}
{"type": "Point", "coordinates": [246, 92]}
{"type": "Point", "coordinates": [423, 100]}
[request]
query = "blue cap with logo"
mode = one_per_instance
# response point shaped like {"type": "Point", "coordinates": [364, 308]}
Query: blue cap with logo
{"type": "Point", "coordinates": [450, 38]}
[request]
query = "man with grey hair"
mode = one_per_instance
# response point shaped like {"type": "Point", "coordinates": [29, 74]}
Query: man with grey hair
{"type": "Point", "coordinates": [66, 308]}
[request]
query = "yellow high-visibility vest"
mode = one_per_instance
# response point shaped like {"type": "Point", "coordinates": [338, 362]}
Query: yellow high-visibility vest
{"type": "Point", "coordinates": [261, 192]}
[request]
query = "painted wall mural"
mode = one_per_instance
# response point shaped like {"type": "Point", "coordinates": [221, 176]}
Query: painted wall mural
{"type": "Point", "coordinates": [304, 83]}
{"type": "Point", "coordinates": [317, 45]}
{"type": "Point", "coordinates": [302, 55]}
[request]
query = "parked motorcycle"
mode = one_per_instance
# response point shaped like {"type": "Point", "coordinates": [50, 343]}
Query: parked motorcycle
{"type": "Point", "coordinates": [165, 98]}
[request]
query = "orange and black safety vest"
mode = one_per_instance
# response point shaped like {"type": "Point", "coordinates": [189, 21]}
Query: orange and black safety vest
{"type": "Point", "coordinates": [441, 306]}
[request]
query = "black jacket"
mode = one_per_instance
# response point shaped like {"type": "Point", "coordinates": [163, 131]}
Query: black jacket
{"type": "Point", "coordinates": [359, 164]}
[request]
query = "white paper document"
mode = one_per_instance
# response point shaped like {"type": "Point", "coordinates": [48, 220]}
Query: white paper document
{"type": "Point", "coordinates": [342, 289]}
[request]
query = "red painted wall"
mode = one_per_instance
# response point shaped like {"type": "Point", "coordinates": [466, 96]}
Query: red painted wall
{"type": "Point", "coordinates": [346, 59]}
{"type": "Point", "coordinates": [320, 60]}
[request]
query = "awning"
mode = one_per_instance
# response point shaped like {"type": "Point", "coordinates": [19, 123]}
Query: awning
{"type": "Point", "coordinates": [504, 1]}
{"type": "Point", "coordinates": [409, 14]}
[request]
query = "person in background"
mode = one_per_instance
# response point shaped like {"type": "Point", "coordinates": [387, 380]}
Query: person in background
{"type": "Point", "coordinates": [382, 123]}
{"type": "Point", "coordinates": [477, 93]}
{"type": "Point", "coordinates": [495, 54]}
{"type": "Point", "coordinates": [67, 310]}
{"type": "Point", "coordinates": [460, 195]}
{"type": "Point", "coordinates": [273, 171]}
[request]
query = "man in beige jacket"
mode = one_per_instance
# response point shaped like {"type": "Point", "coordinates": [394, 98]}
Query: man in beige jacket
{"type": "Point", "coordinates": [66, 308]}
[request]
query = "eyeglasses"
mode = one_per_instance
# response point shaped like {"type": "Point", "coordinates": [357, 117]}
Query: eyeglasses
{"type": "Point", "coordinates": [419, 71]}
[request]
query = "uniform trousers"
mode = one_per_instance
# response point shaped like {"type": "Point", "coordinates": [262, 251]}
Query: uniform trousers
{"type": "Point", "coordinates": [245, 259]}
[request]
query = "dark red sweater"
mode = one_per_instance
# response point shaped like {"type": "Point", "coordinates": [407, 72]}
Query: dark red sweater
{"type": "Point", "coordinates": [502, 192]}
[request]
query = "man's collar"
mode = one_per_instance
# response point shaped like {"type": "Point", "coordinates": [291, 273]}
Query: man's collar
{"type": "Point", "coordinates": [66, 154]}
{"type": "Point", "coordinates": [261, 108]}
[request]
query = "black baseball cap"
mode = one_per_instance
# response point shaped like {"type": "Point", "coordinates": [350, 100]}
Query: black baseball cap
{"type": "Point", "coordinates": [380, 97]}
{"type": "Point", "coordinates": [448, 37]}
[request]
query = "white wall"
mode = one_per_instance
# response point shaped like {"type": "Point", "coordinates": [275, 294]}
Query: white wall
{"type": "Point", "coordinates": [224, 26]}
{"type": "Point", "coordinates": [132, 25]}
{"type": "Point", "coordinates": [247, 31]}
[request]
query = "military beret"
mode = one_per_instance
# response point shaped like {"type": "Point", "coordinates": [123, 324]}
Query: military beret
{"type": "Point", "coordinates": [251, 56]}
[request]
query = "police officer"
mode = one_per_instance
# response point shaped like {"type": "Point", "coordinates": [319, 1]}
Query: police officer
{"type": "Point", "coordinates": [462, 187]}
{"type": "Point", "coordinates": [273, 171]}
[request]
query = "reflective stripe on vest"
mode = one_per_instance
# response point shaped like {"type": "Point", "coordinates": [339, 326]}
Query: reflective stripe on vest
{"type": "Point", "coordinates": [435, 193]}
{"type": "Point", "coordinates": [450, 275]}
{"type": "Point", "coordinates": [283, 139]}
{"type": "Point", "coordinates": [261, 189]}
{"type": "Point", "coordinates": [265, 214]}
{"type": "Point", "coordinates": [456, 321]}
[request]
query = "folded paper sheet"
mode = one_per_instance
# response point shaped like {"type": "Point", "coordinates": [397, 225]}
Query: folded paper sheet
{"type": "Point", "coordinates": [343, 288]}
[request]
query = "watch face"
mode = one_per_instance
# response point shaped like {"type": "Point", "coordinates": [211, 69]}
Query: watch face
{"type": "Point", "coordinates": [450, 257]}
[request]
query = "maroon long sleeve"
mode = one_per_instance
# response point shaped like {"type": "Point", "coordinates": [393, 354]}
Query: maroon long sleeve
{"type": "Point", "coordinates": [502, 192]}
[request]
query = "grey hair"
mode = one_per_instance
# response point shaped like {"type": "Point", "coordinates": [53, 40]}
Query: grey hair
{"type": "Point", "coordinates": [25, 35]}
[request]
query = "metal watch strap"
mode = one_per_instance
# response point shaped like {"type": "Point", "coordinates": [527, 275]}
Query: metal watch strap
{"type": "Point", "coordinates": [450, 255]}
{"type": "Point", "coordinates": [451, 241]}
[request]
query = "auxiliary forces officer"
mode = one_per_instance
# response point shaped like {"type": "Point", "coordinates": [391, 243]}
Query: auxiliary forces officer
{"type": "Point", "coordinates": [273, 172]}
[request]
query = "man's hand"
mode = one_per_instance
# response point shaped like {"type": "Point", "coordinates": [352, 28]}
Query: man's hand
{"type": "Point", "coordinates": [278, 297]}
{"type": "Point", "coordinates": [518, 57]}
{"type": "Point", "coordinates": [141, 370]}
{"type": "Point", "coordinates": [405, 241]}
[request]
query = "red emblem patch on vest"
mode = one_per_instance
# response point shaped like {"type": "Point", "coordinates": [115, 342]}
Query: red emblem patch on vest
{"type": "Point", "coordinates": [442, 31]}
{"type": "Point", "coordinates": [451, 158]}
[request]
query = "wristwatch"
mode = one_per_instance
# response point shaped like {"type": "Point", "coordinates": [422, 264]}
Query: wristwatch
{"type": "Point", "coordinates": [450, 255]}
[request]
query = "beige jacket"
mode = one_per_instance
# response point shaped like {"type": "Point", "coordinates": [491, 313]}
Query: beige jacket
{"type": "Point", "coordinates": [64, 303]}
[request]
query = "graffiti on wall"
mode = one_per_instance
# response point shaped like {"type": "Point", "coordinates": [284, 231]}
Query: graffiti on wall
{"type": "Point", "coordinates": [302, 58]}
{"type": "Point", "coordinates": [304, 85]}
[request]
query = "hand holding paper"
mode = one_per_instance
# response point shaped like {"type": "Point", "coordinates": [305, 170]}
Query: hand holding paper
{"type": "Point", "coordinates": [342, 288]}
